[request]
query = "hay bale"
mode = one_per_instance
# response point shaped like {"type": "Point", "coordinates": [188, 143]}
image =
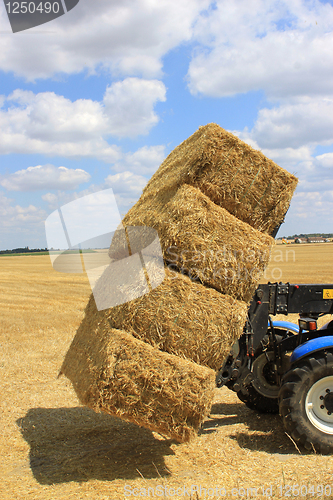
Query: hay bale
{"type": "Point", "coordinates": [206, 241]}
{"type": "Point", "coordinates": [183, 318]}
{"type": "Point", "coordinates": [140, 359]}
{"type": "Point", "coordinates": [213, 245]}
{"type": "Point", "coordinates": [113, 372]}
{"type": "Point", "coordinates": [230, 172]}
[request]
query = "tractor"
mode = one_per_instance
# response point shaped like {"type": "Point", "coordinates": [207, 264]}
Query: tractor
{"type": "Point", "coordinates": [281, 367]}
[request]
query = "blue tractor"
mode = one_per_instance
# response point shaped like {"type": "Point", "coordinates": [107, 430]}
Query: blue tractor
{"type": "Point", "coordinates": [280, 367]}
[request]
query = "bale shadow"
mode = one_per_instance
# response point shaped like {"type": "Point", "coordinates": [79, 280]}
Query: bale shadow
{"type": "Point", "coordinates": [77, 444]}
{"type": "Point", "coordinates": [265, 431]}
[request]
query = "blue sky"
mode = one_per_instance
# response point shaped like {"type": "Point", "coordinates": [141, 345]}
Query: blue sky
{"type": "Point", "coordinates": [98, 97]}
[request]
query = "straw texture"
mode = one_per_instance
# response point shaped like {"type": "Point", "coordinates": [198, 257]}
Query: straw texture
{"type": "Point", "coordinates": [206, 241]}
{"type": "Point", "coordinates": [183, 318]}
{"type": "Point", "coordinates": [214, 202]}
{"type": "Point", "coordinates": [230, 172]}
{"type": "Point", "coordinates": [111, 371]}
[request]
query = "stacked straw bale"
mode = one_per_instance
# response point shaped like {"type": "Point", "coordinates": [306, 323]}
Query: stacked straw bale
{"type": "Point", "coordinates": [183, 318]}
{"type": "Point", "coordinates": [206, 241]}
{"type": "Point", "coordinates": [113, 372]}
{"type": "Point", "coordinates": [230, 172]}
{"type": "Point", "coordinates": [214, 202]}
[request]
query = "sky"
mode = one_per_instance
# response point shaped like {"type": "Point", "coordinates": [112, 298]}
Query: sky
{"type": "Point", "coordinates": [98, 97]}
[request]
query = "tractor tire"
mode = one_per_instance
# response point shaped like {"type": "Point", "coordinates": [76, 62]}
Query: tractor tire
{"type": "Point", "coordinates": [257, 402]}
{"type": "Point", "coordinates": [306, 402]}
{"type": "Point", "coordinates": [262, 393]}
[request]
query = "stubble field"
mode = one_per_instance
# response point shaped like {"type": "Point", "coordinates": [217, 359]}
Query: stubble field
{"type": "Point", "coordinates": [53, 448]}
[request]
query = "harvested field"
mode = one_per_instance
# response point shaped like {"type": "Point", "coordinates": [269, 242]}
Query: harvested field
{"type": "Point", "coordinates": [54, 449]}
{"type": "Point", "coordinates": [231, 173]}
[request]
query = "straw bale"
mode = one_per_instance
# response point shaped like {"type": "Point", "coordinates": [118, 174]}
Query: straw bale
{"type": "Point", "coordinates": [183, 318]}
{"type": "Point", "coordinates": [230, 172]}
{"type": "Point", "coordinates": [206, 241]}
{"type": "Point", "coordinates": [113, 372]}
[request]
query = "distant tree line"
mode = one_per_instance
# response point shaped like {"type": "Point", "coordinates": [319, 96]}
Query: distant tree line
{"type": "Point", "coordinates": [310, 235]}
{"type": "Point", "coordinates": [24, 250]}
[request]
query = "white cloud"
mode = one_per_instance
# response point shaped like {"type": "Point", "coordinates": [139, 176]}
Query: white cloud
{"type": "Point", "coordinates": [315, 173]}
{"type": "Point", "coordinates": [289, 134]}
{"type": "Point", "coordinates": [286, 157]}
{"type": "Point", "coordinates": [47, 123]}
{"type": "Point", "coordinates": [295, 123]}
{"type": "Point", "coordinates": [129, 106]}
{"type": "Point", "coordinates": [127, 183]}
{"type": "Point", "coordinates": [290, 158]}
{"type": "Point", "coordinates": [325, 160]}
{"type": "Point", "coordinates": [309, 213]}
{"type": "Point", "coordinates": [321, 206]}
{"type": "Point", "coordinates": [51, 199]}
{"type": "Point", "coordinates": [20, 226]}
{"type": "Point", "coordinates": [284, 48]}
{"type": "Point", "coordinates": [127, 38]}
{"type": "Point", "coordinates": [127, 188]}
{"type": "Point", "coordinates": [144, 161]}
{"type": "Point", "coordinates": [45, 177]}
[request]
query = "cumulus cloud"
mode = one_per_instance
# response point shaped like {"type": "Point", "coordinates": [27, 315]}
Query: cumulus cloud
{"type": "Point", "coordinates": [321, 204]}
{"type": "Point", "coordinates": [45, 177]}
{"type": "Point", "coordinates": [48, 123]}
{"type": "Point", "coordinates": [144, 161]}
{"type": "Point", "coordinates": [309, 212]}
{"type": "Point", "coordinates": [51, 199]}
{"type": "Point", "coordinates": [126, 38]}
{"type": "Point", "coordinates": [315, 173]}
{"type": "Point", "coordinates": [126, 182]}
{"type": "Point", "coordinates": [127, 188]}
{"type": "Point", "coordinates": [129, 106]}
{"type": "Point", "coordinates": [289, 134]}
{"type": "Point", "coordinates": [325, 160]}
{"type": "Point", "coordinates": [290, 158]}
{"type": "Point", "coordinates": [20, 226]}
{"type": "Point", "coordinates": [295, 123]}
{"type": "Point", "coordinates": [283, 48]}
{"type": "Point", "coordinates": [132, 173]}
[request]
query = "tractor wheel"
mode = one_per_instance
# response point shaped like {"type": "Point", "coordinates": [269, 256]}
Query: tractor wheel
{"type": "Point", "coordinates": [306, 402]}
{"type": "Point", "coordinates": [256, 401]}
{"type": "Point", "coordinates": [262, 393]}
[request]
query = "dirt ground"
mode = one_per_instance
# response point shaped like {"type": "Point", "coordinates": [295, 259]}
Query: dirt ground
{"type": "Point", "coordinates": [53, 448]}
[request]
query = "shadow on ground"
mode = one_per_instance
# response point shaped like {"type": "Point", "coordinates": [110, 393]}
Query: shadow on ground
{"type": "Point", "coordinates": [77, 444]}
{"type": "Point", "coordinates": [265, 432]}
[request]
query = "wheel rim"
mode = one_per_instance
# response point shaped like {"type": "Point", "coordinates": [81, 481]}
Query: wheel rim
{"type": "Point", "coordinates": [319, 405]}
{"type": "Point", "coordinates": [260, 381]}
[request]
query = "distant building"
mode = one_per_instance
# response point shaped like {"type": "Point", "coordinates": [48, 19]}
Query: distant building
{"type": "Point", "coordinates": [311, 239]}
{"type": "Point", "coordinates": [316, 239]}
